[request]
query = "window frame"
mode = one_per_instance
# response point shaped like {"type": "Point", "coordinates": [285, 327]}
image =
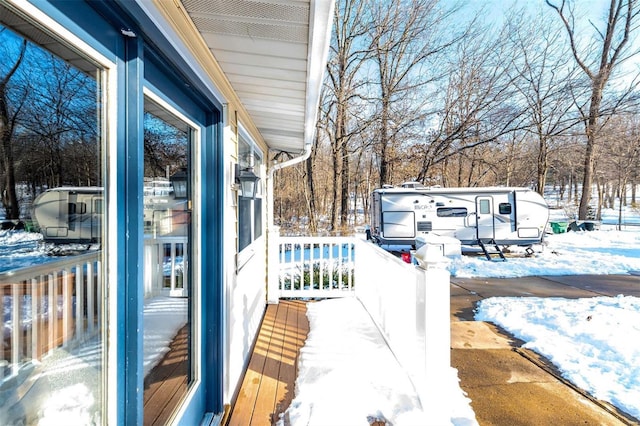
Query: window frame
{"type": "Point", "coordinates": [505, 208]}
{"type": "Point", "coordinates": [195, 141]}
{"type": "Point", "coordinates": [256, 211]}
{"type": "Point", "coordinates": [106, 75]}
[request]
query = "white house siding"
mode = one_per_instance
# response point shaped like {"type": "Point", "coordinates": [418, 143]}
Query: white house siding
{"type": "Point", "coordinates": [247, 303]}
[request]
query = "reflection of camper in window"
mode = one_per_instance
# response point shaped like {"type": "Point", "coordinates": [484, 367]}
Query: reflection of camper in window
{"type": "Point", "coordinates": [70, 214]}
{"type": "Point", "coordinates": [74, 214]}
{"type": "Point", "coordinates": [164, 214]}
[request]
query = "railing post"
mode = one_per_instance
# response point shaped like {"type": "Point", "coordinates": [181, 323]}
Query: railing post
{"type": "Point", "coordinates": [52, 310]}
{"type": "Point", "coordinates": [90, 298]}
{"type": "Point", "coordinates": [35, 319]}
{"type": "Point", "coordinates": [273, 265]}
{"type": "Point", "coordinates": [69, 279]}
{"type": "Point", "coordinates": [16, 338]}
{"type": "Point", "coordinates": [433, 296]}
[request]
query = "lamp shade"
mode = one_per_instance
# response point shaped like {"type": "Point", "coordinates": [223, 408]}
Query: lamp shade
{"type": "Point", "coordinates": [248, 182]}
{"type": "Point", "coordinates": [179, 182]}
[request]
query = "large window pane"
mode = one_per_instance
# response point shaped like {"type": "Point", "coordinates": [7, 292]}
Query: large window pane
{"type": "Point", "coordinates": [167, 275]}
{"type": "Point", "coordinates": [51, 178]}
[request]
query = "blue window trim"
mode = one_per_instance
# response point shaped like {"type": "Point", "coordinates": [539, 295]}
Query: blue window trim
{"type": "Point", "coordinates": [213, 241]}
{"type": "Point", "coordinates": [99, 23]}
{"type": "Point", "coordinates": [130, 245]}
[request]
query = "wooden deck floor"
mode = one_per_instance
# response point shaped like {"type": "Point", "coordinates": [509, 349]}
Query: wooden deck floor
{"type": "Point", "coordinates": [268, 385]}
{"type": "Point", "coordinates": [166, 384]}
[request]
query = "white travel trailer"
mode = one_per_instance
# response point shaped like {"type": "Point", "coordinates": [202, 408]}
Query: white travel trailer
{"type": "Point", "coordinates": [474, 216]}
{"type": "Point", "coordinates": [70, 214]}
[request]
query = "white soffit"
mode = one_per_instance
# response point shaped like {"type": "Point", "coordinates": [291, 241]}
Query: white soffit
{"type": "Point", "coordinates": [274, 54]}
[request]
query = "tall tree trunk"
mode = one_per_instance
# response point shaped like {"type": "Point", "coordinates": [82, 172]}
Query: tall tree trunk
{"type": "Point", "coordinates": [543, 165]}
{"type": "Point", "coordinates": [384, 145]}
{"type": "Point", "coordinates": [346, 180]}
{"type": "Point", "coordinates": [589, 155]}
{"type": "Point", "coordinates": [334, 189]}
{"type": "Point", "coordinates": [338, 161]}
{"type": "Point", "coordinates": [311, 202]}
{"type": "Point", "coordinates": [9, 194]}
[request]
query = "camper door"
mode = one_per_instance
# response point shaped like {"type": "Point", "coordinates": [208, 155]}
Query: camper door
{"type": "Point", "coordinates": [485, 227]}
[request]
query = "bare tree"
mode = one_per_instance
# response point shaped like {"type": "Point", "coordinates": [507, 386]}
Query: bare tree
{"type": "Point", "coordinates": [312, 210]}
{"type": "Point", "coordinates": [478, 104]}
{"type": "Point", "coordinates": [61, 115]}
{"type": "Point", "coordinates": [543, 77]}
{"type": "Point", "coordinates": [407, 38]}
{"type": "Point", "coordinates": [610, 49]}
{"type": "Point", "coordinates": [620, 159]}
{"type": "Point", "coordinates": [8, 117]}
{"type": "Point", "coordinates": [348, 54]}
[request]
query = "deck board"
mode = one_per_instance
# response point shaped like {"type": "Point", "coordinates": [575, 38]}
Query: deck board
{"type": "Point", "coordinates": [166, 384]}
{"type": "Point", "coordinates": [268, 385]}
{"type": "Point", "coordinates": [295, 337]}
{"type": "Point", "coordinates": [265, 399]}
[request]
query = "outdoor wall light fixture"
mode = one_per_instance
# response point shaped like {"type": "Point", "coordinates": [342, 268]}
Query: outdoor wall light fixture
{"type": "Point", "coordinates": [179, 182]}
{"type": "Point", "coordinates": [248, 181]}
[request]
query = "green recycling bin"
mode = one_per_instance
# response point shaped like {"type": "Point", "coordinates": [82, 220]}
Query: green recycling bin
{"type": "Point", "coordinates": [559, 227]}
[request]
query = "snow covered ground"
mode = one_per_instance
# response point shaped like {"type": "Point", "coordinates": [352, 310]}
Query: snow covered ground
{"type": "Point", "coordinates": [19, 249]}
{"type": "Point", "coordinates": [594, 342]}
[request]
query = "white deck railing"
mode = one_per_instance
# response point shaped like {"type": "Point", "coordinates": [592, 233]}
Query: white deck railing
{"type": "Point", "coordinates": [47, 306]}
{"type": "Point", "coordinates": [408, 303]}
{"type": "Point", "coordinates": [411, 307]}
{"type": "Point", "coordinates": [309, 267]}
{"type": "Point", "coordinates": [59, 303]}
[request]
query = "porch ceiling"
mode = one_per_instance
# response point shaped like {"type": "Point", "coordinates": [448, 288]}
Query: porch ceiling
{"type": "Point", "coordinates": [273, 53]}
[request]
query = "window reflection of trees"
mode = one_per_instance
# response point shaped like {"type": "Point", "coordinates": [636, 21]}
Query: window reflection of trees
{"type": "Point", "coordinates": [164, 146]}
{"type": "Point", "coordinates": [49, 112]}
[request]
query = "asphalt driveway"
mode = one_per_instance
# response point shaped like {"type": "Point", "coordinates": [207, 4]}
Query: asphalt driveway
{"type": "Point", "coordinates": [509, 385]}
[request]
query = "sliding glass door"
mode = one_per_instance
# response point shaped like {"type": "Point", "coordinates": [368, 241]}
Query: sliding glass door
{"type": "Point", "coordinates": [168, 246]}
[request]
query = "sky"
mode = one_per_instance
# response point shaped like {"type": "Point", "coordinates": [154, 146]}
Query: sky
{"type": "Point", "coordinates": [353, 363]}
{"type": "Point", "coordinates": [590, 14]}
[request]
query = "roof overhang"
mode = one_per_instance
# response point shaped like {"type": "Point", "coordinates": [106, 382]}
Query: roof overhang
{"type": "Point", "coordinates": [273, 54]}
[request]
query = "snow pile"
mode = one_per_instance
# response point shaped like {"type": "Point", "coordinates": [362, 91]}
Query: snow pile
{"type": "Point", "coordinates": [348, 375]}
{"type": "Point", "coordinates": [603, 252]}
{"type": "Point", "coordinates": [594, 342]}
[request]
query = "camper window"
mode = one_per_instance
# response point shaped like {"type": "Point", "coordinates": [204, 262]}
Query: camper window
{"type": "Point", "coordinates": [484, 207]}
{"type": "Point", "coordinates": [504, 208]}
{"type": "Point", "coordinates": [77, 208]}
{"type": "Point", "coordinates": [452, 212]}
